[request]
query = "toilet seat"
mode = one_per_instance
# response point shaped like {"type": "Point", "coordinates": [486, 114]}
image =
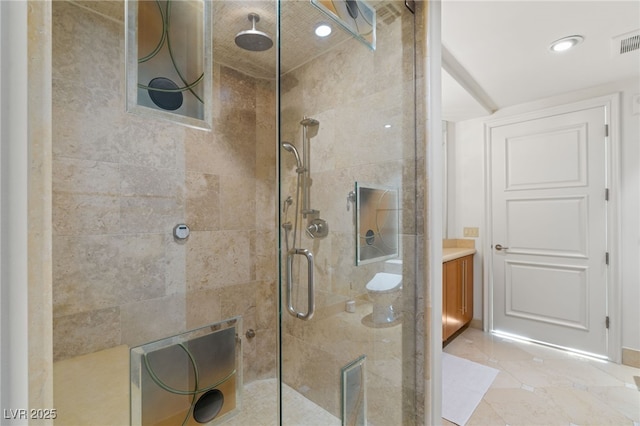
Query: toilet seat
{"type": "Point", "coordinates": [384, 282]}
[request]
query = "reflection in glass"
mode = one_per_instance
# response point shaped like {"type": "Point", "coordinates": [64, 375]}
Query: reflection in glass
{"type": "Point", "coordinates": [377, 223]}
{"type": "Point", "coordinates": [355, 16]}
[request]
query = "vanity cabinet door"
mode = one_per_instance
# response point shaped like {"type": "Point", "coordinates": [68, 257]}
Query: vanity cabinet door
{"type": "Point", "coordinates": [457, 295]}
{"type": "Point", "coordinates": [451, 298]}
{"type": "Point", "coordinates": [466, 283]}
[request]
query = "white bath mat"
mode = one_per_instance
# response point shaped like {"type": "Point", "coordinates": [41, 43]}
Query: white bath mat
{"type": "Point", "coordinates": [464, 383]}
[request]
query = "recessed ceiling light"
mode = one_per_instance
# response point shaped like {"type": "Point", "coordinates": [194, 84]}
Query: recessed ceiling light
{"type": "Point", "coordinates": [323, 30]}
{"type": "Point", "coordinates": [565, 43]}
{"type": "Point", "coordinates": [387, 126]}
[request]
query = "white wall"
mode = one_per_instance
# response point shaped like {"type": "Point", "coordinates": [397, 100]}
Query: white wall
{"type": "Point", "coordinates": [466, 192]}
{"type": "Point", "coordinates": [13, 211]}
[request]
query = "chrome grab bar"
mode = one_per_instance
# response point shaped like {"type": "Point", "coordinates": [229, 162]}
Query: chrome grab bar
{"type": "Point", "coordinates": [310, 296]}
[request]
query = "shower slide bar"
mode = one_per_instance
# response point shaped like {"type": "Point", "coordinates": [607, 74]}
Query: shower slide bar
{"type": "Point", "coordinates": [311, 306]}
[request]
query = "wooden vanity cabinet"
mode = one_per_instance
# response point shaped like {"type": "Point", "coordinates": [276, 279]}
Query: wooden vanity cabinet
{"type": "Point", "coordinates": [457, 295]}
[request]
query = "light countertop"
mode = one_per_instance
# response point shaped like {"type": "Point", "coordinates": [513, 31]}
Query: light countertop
{"type": "Point", "coordinates": [453, 249]}
{"type": "Point", "coordinates": [453, 253]}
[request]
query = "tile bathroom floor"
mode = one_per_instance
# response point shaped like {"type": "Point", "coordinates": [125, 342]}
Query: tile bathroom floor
{"type": "Point", "coordinates": [538, 385]}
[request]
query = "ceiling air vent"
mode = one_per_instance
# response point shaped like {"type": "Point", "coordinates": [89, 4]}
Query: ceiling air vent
{"type": "Point", "coordinates": [626, 43]}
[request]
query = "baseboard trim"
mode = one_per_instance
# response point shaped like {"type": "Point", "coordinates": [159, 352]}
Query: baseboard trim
{"type": "Point", "coordinates": [631, 357]}
{"type": "Point", "coordinates": [476, 323]}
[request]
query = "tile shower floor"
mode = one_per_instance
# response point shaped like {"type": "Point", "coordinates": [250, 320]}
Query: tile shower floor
{"type": "Point", "coordinates": [538, 385]}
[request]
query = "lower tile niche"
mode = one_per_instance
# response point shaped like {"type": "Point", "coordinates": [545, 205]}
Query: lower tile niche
{"type": "Point", "coordinates": [191, 378]}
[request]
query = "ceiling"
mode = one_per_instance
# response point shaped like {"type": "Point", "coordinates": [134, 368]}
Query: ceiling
{"type": "Point", "coordinates": [230, 17]}
{"type": "Point", "coordinates": [499, 50]}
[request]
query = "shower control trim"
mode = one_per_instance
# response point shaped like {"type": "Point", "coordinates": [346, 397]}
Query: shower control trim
{"type": "Point", "coordinates": [181, 232]}
{"type": "Point", "coordinates": [318, 228]}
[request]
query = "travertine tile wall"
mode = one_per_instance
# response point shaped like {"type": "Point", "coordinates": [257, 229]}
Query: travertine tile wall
{"type": "Point", "coordinates": [121, 182]}
{"type": "Point", "coordinates": [352, 143]}
{"type": "Point", "coordinates": [39, 207]}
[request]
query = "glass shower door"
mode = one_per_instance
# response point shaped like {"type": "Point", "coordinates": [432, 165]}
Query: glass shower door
{"type": "Point", "coordinates": [347, 195]}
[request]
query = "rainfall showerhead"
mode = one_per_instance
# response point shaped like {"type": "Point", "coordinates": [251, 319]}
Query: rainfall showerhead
{"type": "Point", "coordinates": [309, 122]}
{"type": "Point", "coordinates": [252, 39]}
{"type": "Point", "coordinates": [290, 148]}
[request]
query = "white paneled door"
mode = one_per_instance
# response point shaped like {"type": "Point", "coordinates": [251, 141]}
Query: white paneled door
{"type": "Point", "coordinates": [549, 229]}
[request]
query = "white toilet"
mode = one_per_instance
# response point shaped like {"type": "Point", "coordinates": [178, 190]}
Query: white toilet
{"type": "Point", "coordinates": [384, 289]}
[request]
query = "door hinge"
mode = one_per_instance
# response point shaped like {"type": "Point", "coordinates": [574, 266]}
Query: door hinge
{"type": "Point", "coordinates": [606, 322]}
{"type": "Point", "coordinates": [606, 130]}
{"type": "Point", "coordinates": [606, 194]}
{"type": "Point", "coordinates": [606, 258]}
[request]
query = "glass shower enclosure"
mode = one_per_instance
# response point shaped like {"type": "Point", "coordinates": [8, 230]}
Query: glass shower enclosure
{"type": "Point", "coordinates": [276, 217]}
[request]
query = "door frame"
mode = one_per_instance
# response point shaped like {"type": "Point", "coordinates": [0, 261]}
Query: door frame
{"type": "Point", "coordinates": [611, 104]}
{"type": "Point", "coordinates": [14, 161]}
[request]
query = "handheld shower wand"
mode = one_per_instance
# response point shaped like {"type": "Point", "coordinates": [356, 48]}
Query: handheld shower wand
{"type": "Point", "coordinates": [300, 169]}
{"type": "Point", "coordinates": [290, 148]}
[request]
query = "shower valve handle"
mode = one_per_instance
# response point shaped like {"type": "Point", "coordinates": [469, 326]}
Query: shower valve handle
{"type": "Point", "coordinates": [312, 229]}
{"type": "Point", "coordinates": [317, 228]}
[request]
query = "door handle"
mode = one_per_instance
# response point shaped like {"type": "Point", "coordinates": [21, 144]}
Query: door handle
{"type": "Point", "coordinates": [310, 284]}
{"type": "Point", "coordinates": [500, 247]}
